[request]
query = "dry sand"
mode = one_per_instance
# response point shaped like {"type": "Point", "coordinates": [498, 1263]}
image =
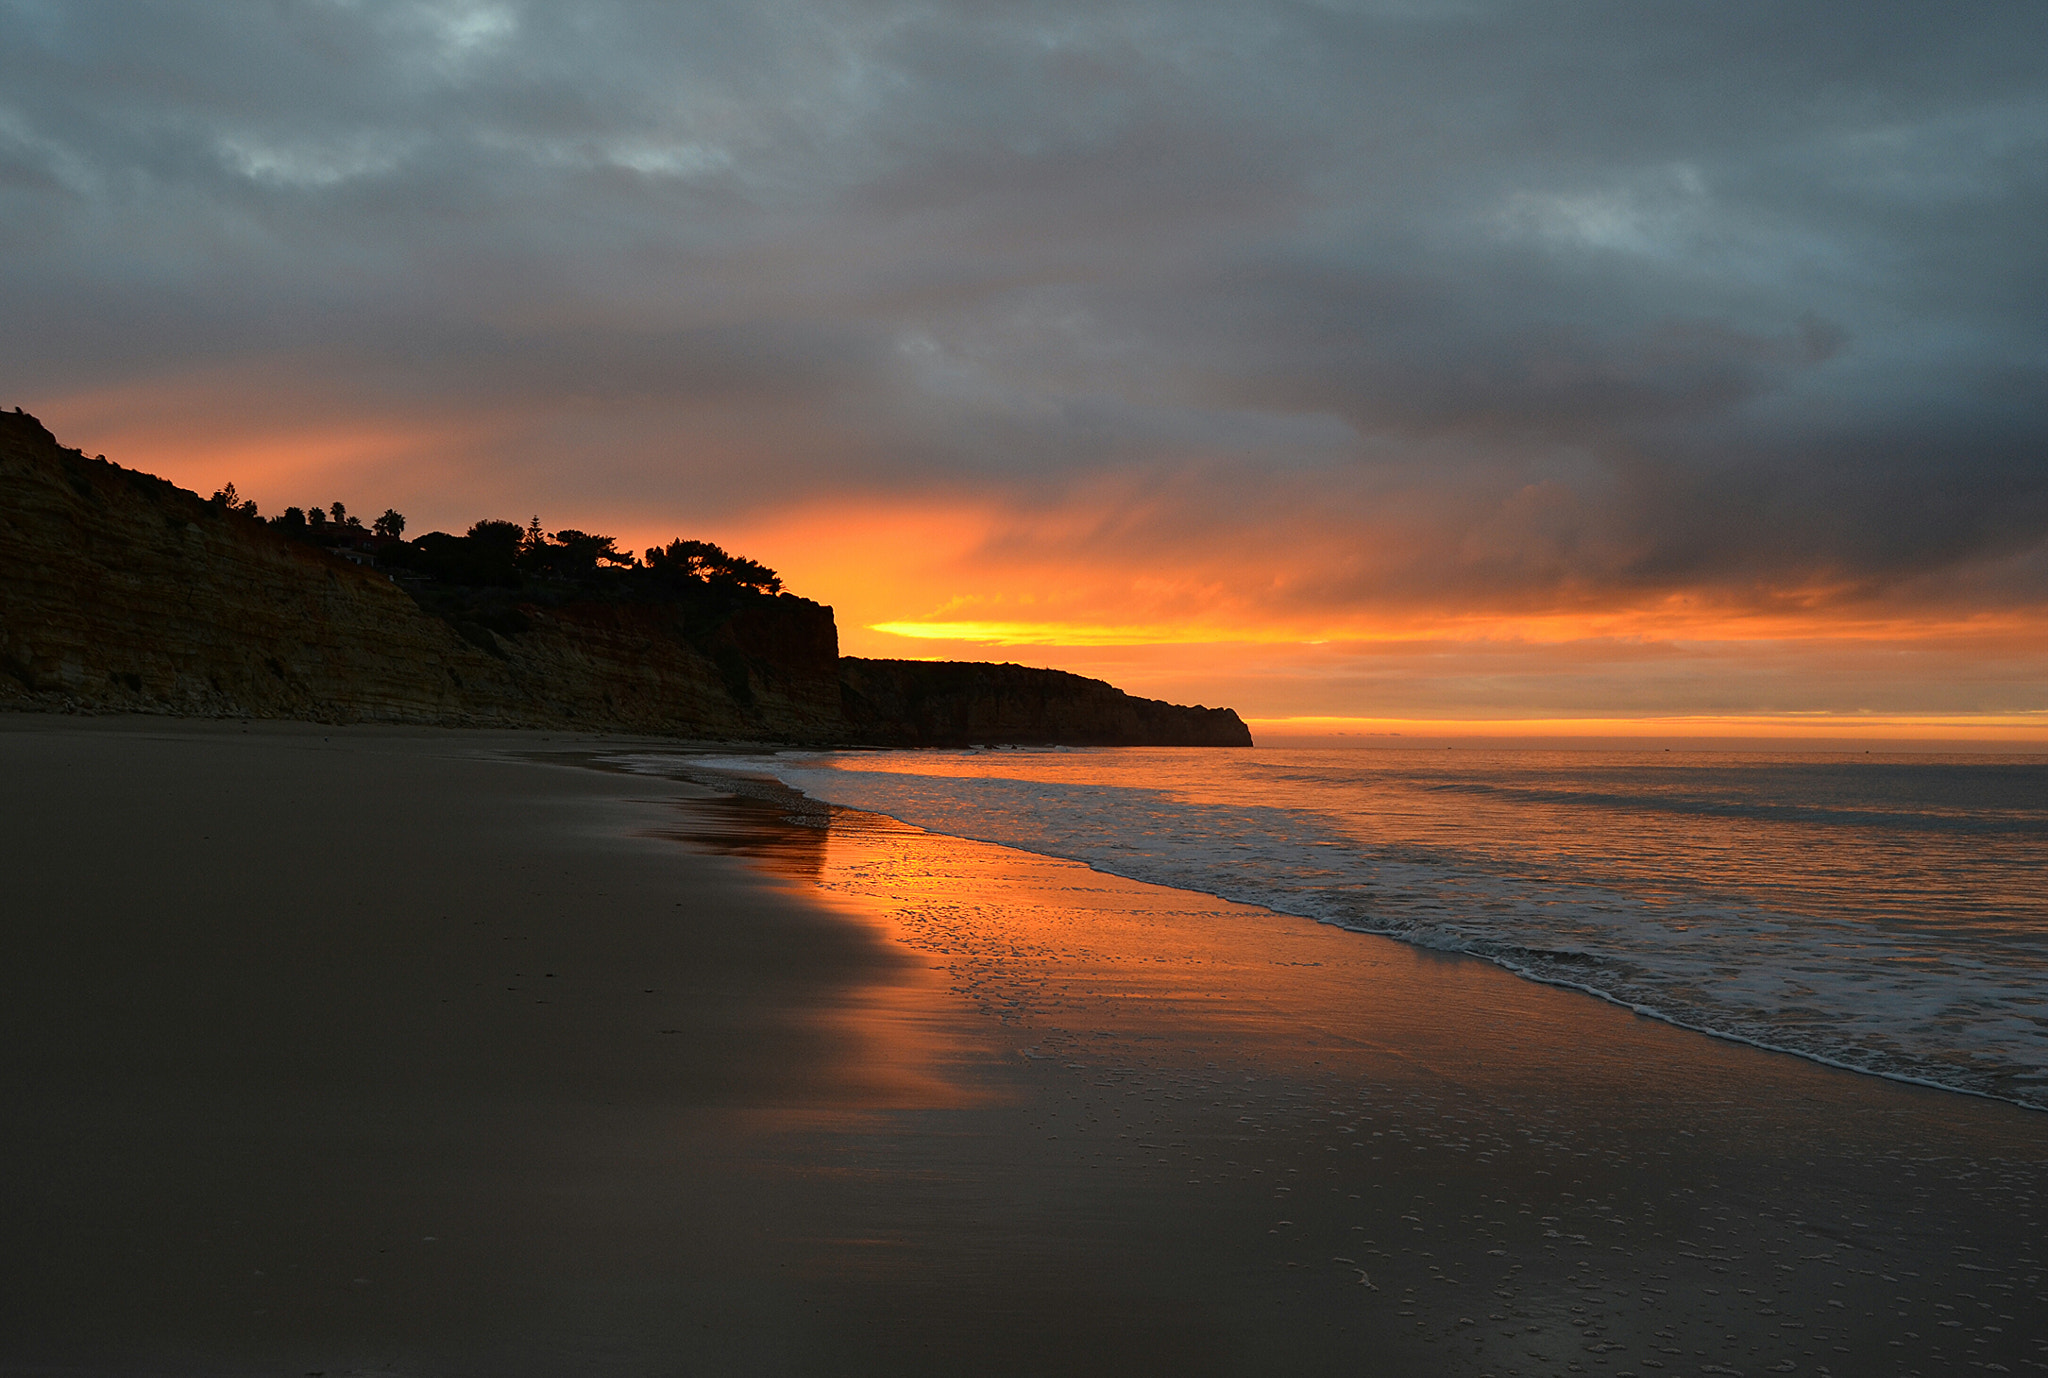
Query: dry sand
{"type": "Point", "coordinates": [353, 1051]}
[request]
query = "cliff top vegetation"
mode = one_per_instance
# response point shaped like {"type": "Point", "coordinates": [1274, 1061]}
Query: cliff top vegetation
{"type": "Point", "coordinates": [484, 577]}
{"type": "Point", "coordinates": [504, 554]}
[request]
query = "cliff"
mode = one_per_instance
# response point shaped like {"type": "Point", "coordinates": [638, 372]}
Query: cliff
{"type": "Point", "coordinates": [120, 592]}
{"type": "Point", "coordinates": [954, 703]}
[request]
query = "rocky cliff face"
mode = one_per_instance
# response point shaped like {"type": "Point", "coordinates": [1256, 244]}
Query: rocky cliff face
{"type": "Point", "coordinates": [119, 591]}
{"type": "Point", "coordinates": [950, 703]}
{"type": "Point", "coordinates": [122, 592]}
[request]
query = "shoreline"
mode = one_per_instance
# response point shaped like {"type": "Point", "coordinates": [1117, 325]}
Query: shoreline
{"type": "Point", "coordinates": [769, 787]}
{"type": "Point", "coordinates": [1317, 1055]}
{"type": "Point", "coordinates": [1521, 973]}
{"type": "Point", "coordinates": [869, 1099]}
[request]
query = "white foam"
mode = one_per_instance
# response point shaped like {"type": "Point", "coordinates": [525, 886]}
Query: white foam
{"type": "Point", "coordinates": [1582, 883]}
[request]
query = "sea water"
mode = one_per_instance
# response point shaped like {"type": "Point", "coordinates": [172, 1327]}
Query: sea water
{"type": "Point", "coordinates": [1884, 914]}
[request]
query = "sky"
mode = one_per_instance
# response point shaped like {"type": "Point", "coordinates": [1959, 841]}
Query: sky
{"type": "Point", "coordinates": [1369, 366]}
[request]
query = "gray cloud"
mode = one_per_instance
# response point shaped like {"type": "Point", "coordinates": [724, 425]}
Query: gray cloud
{"type": "Point", "coordinates": [1742, 294]}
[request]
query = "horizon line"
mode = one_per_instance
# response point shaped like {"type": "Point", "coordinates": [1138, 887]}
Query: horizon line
{"type": "Point", "coordinates": [2003, 733]}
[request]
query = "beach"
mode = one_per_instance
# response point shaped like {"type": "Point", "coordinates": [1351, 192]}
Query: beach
{"type": "Point", "coordinates": [353, 1050]}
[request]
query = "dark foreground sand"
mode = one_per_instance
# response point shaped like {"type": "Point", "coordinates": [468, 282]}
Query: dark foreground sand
{"type": "Point", "coordinates": [443, 1053]}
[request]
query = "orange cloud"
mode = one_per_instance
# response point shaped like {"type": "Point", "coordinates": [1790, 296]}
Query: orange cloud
{"type": "Point", "coordinates": [956, 581]}
{"type": "Point", "coordinates": [1105, 580]}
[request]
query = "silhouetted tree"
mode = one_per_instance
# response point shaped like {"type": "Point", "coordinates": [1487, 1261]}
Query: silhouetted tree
{"type": "Point", "coordinates": [507, 536]}
{"type": "Point", "coordinates": [315, 518]}
{"type": "Point", "coordinates": [485, 576]}
{"type": "Point", "coordinates": [580, 553]}
{"type": "Point", "coordinates": [228, 500]}
{"type": "Point", "coordinates": [713, 564]}
{"type": "Point", "coordinates": [492, 553]}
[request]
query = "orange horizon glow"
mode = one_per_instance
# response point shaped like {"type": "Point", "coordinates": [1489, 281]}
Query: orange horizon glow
{"type": "Point", "coordinates": [2023, 731]}
{"type": "Point", "coordinates": [941, 581]}
{"type": "Point", "coordinates": [963, 575]}
{"type": "Point", "coordinates": [1659, 621]}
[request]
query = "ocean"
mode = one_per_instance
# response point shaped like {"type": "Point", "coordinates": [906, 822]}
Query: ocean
{"type": "Point", "coordinates": [1885, 914]}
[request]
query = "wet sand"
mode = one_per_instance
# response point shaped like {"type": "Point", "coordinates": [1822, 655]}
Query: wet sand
{"type": "Point", "coordinates": [418, 1052]}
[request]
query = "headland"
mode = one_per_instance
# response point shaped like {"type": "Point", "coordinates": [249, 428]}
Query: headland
{"type": "Point", "coordinates": [122, 593]}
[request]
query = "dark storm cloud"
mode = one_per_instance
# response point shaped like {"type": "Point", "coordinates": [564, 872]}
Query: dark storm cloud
{"type": "Point", "coordinates": [1728, 294]}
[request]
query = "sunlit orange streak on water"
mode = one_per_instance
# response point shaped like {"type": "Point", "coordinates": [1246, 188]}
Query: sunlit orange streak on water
{"type": "Point", "coordinates": [1041, 959]}
{"type": "Point", "coordinates": [1307, 1098]}
{"type": "Point", "coordinates": [1068, 963]}
{"type": "Point", "coordinates": [909, 1049]}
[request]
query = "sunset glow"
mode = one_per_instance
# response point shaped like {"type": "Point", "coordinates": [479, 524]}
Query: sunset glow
{"type": "Point", "coordinates": [931, 686]}
{"type": "Point", "coordinates": [1803, 731]}
{"type": "Point", "coordinates": [1103, 359]}
{"type": "Point", "coordinates": [1642, 626]}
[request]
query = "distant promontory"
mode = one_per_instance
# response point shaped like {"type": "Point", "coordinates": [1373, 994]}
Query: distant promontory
{"type": "Point", "coordinates": [121, 592]}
